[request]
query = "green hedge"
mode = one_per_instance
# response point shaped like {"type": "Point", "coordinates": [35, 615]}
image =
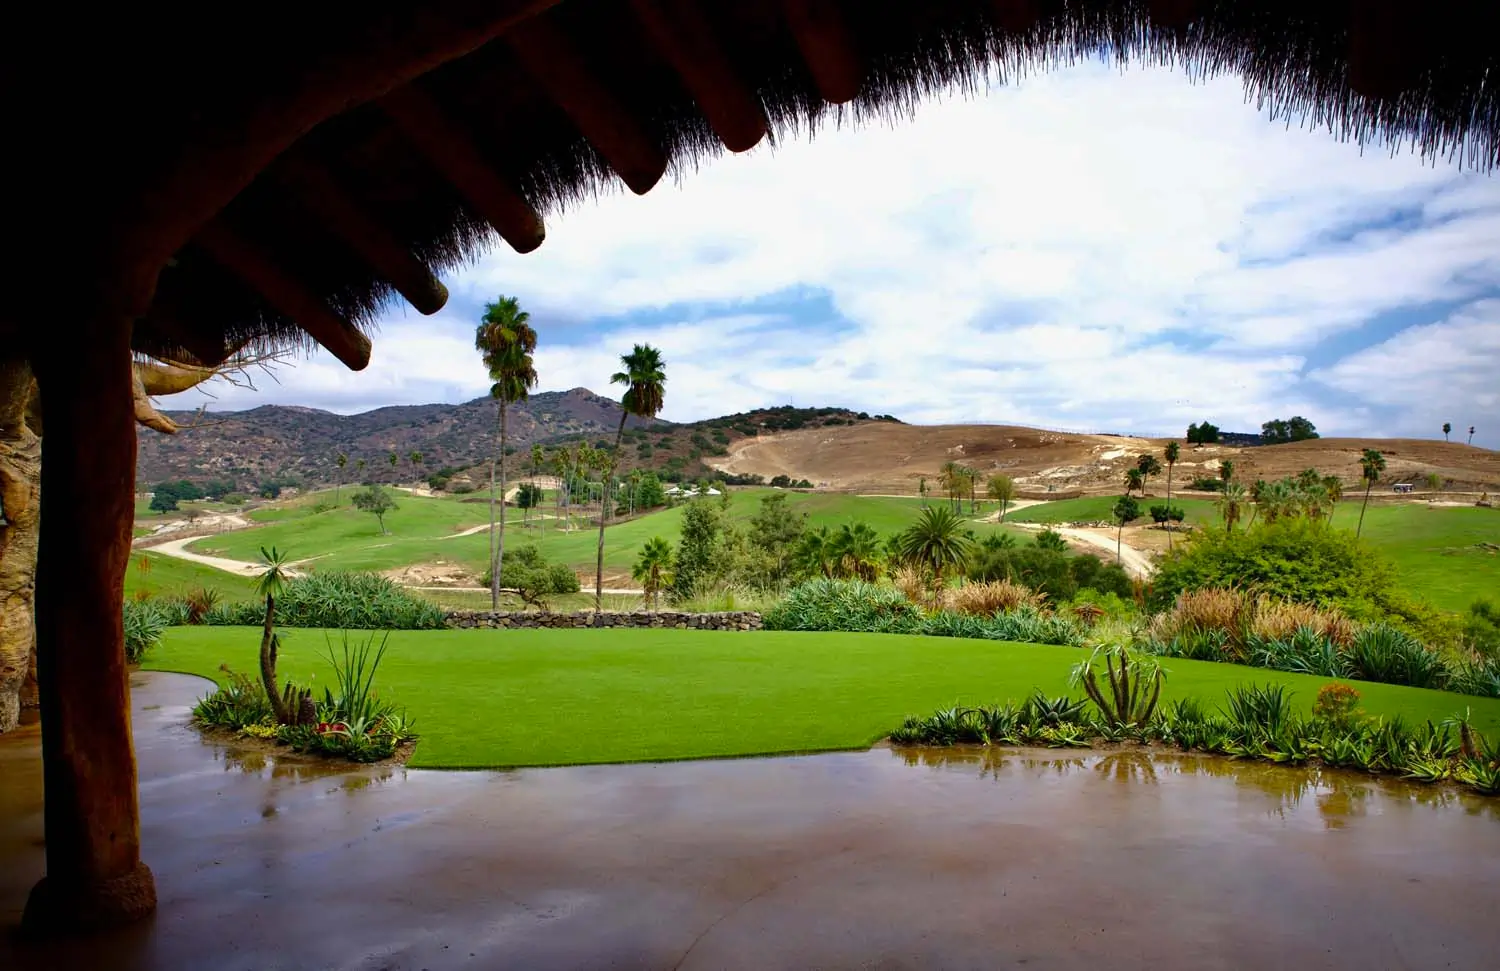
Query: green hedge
{"type": "Point", "coordinates": [353, 601]}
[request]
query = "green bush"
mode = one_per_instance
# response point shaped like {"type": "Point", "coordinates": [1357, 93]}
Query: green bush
{"type": "Point", "coordinates": [1049, 571]}
{"type": "Point", "coordinates": [239, 704]}
{"type": "Point", "coordinates": [527, 571]}
{"type": "Point", "coordinates": [359, 601]}
{"type": "Point", "coordinates": [858, 607]}
{"type": "Point", "coordinates": [145, 622]}
{"type": "Point", "coordinates": [1481, 629]}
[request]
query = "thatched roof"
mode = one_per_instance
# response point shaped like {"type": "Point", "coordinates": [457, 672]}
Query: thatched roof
{"type": "Point", "coordinates": [387, 195]}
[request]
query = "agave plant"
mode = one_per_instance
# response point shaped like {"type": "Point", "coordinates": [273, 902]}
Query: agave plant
{"type": "Point", "coordinates": [1132, 686]}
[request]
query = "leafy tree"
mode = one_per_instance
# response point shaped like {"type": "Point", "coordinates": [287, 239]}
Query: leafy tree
{"type": "Point", "coordinates": [374, 499]}
{"type": "Point", "coordinates": [1204, 434]}
{"type": "Point", "coordinates": [1371, 465]}
{"type": "Point", "coordinates": [1002, 489]}
{"type": "Point", "coordinates": [937, 541]}
{"type": "Point", "coordinates": [269, 584]}
{"type": "Point", "coordinates": [1447, 427]}
{"type": "Point", "coordinates": [1051, 539]}
{"type": "Point", "coordinates": [1135, 480]}
{"type": "Point", "coordinates": [528, 495]}
{"type": "Point", "coordinates": [702, 532]}
{"type": "Point", "coordinates": [1192, 434]}
{"type": "Point", "coordinates": [533, 579]}
{"type": "Point", "coordinates": [653, 568]}
{"type": "Point", "coordinates": [163, 501]}
{"type": "Point", "coordinates": [644, 376]}
{"type": "Point", "coordinates": [506, 341]}
{"type": "Point", "coordinates": [1126, 510]}
{"type": "Point", "coordinates": [1171, 453]}
{"type": "Point", "coordinates": [1164, 514]}
{"type": "Point", "coordinates": [1280, 431]}
{"type": "Point", "coordinates": [778, 531]}
{"type": "Point", "coordinates": [856, 552]}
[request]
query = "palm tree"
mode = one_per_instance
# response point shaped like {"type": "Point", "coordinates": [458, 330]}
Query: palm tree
{"type": "Point", "coordinates": [269, 584]}
{"type": "Point", "coordinates": [415, 458]}
{"type": "Point", "coordinates": [1149, 467]}
{"type": "Point", "coordinates": [922, 483]}
{"type": "Point", "coordinates": [394, 459]}
{"type": "Point", "coordinates": [1002, 489]}
{"type": "Point", "coordinates": [936, 541]}
{"type": "Point", "coordinates": [505, 339]}
{"type": "Point", "coordinates": [1226, 471]}
{"type": "Point", "coordinates": [1447, 427]}
{"type": "Point", "coordinates": [815, 552]}
{"type": "Point", "coordinates": [339, 460]}
{"type": "Point", "coordinates": [1471, 434]}
{"type": "Point", "coordinates": [644, 377]}
{"type": "Point", "coordinates": [538, 459]}
{"type": "Point", "coordinates": [359, 465]}
{"type": "Point", "coordinates": [1371, 464]}
{"type": "Point", "coordinates": [1126, 509]}
{"type": "Point", "coordinates": [1135, 480]}
{"type": "Point", "coordinates": [1232, 499]}
{"type": "Point", "coordinates": [856, 552]}
{"type": "Point", "coordinates": [653, 568]}
{"type": "Point", "coordinates": [951, 476]}
{"type": "Point", "coordinates": [1171, 452]}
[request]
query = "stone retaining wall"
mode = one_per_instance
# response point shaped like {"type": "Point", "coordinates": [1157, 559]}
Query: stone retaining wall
{"type": "Point", "coordinates": [729, 620]}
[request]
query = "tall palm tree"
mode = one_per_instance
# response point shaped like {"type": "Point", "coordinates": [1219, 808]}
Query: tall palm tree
{"type": "Point", "coordinates": [1002, 489]}
{"type": "Point", "coordinates": [653, 568]}
{"type": "Point", "coordinates": [269, 584]}
{"type": "Point", "coordinates": [505, 339]}
{"type": "Point", "coordinates": [936, 541]}
{"type": "Point", "coordinates": [644, 376]}
{"type": "Point", "coordinates": [339, 460]}
{"type": "Point", "coordinates": [1170, 453]}
{"type": "Point", "coordinates": [1232, 500]}
{"type": "Point", "coordinates": [1226, 471]}
{"type": "Point", "coordinates": [1150, 467]}
{"type": "Point", "coordinates": [1471, 434]}
{"type": "Point", "coordinates": [951, 475]}
{"type": "Point", "coordinates": [1371, 464]}
{"type": "Point", "coordinates": [1447, 427]}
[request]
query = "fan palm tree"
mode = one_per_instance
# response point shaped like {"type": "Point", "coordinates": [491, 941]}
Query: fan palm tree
{"type": "Point", "coordinates": [653, 568]}
{"type": "Point", "coordinates": [269, 584]}
{"type": "Point", "coordinates": [1135, 481]}
{"type": "Point", "coordinates": [505, 339]}
{"type": "Point", "coordinates": [1232, 500]}
{"type": "Point", "coordinates": [1226, 470]}
{"type": "Point", "coordinates": [1002, 489]}
{"type": "Point", "coordinates": [815, 553]}
{"type": "Point", "coordinates": [1371, 465]}
{"type": "Point", "coordinates": [1170, 453]}
{"type": "Point", "coordinates": [936, 541]}
{"type": "Point", "coordinates": [644, 376]}
{"type": "Point", "coordinates": [856, 552]}
{"type": "Point", "coordinates": [339, 460]}
{"type": "Point", "coordinates": [1447, 427]}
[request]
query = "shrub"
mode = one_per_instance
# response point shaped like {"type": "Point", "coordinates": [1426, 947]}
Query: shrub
{"type": "Point", "coordinates": [986, 599]}
{"type": "Point", "coordinates": [1481, 629]}
{"type": "Point", "coordinates": [240, 703]}
{"type": "Point", "coordinates": [1196, 613]}
{"type": "Point", "coordinates": [1385, 653]}
{"type": "Point", "coordinates": [1304, 652]}
{"type": "Point", "coordinates": [200, 603]}
{"type": "Point", "coordinates": [1131, 688]}
{"type": "Point", "coordinates": [144, 625]}
{"type": "Point", "coordinates": [1281, 619]}
{"type": "Point", "coordinates": [527, 572]}
{"type": "Point", "coordinates": [361, 601]}
{"type": "Point", "coordinates": [1336, 704]}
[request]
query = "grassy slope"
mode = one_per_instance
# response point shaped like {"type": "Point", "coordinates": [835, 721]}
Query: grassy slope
{"type": "Point", "coordinates": [544, 697]}
{"type": "Point", "coordinates": [1100, 509]}
{"type": "Point", "coordinates": [1434, 548]}
{"type": "Point", "coordinates": [169, 576]}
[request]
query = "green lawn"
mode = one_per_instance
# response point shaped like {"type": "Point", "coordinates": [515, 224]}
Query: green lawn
{"type": "Point", "coordinates": [1100, 509]}
{"type": "Point", "coordinates": [1435, 549]}
{"type": "Point", "coordinates": [543, 697]}
{"type": "Point", "coordinates": [170, 577]}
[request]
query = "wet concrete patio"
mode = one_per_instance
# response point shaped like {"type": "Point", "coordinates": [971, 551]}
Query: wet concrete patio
{"type": "Point", "coordinates": [879, 859]}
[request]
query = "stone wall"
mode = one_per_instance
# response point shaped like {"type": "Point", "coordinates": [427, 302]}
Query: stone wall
{"type": "Point", "coordinates": [729, 620]}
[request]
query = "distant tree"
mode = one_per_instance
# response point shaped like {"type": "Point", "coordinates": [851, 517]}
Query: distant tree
{"type": "Point", "coordinates": [922, 483]}
{"type": "Point", "coordinates": [1135, 480]}
{"type": "Point", "coordinates": [1434, 481]}
{"type": "Point", "coordinates": [359, 465]}
{"type": "Point", "coordinates": [1471, 434]}
{"type": "Point", "coordinates": [1301, 429]}
{"type": "Point", "coordinates": [1002, 489]}
{"type": "Point", "coordinates": [951, 477]}
{"type": "Point", "coordinates": [528, 495]}
{"type": "Point", "coordinates": [164, 498]}
{"type": "Point", "coordinates": [1371, 465]}
{"type": "Point", "coordinates": [653, 569]}
{"type": "Point", "coordinates": [1192, 435]}
{"type": "Point", "coordinates": [937, 541]}
{"type": "Point", "coordinates": [1232, 499]}
{"type": "Point", "coordinates": [1226, 471]}
{"type": "Point", "coordinates": [696, 550]}
{"type": "Point", "coordinates": [1126, 509]}
{"type": "Point", "coordinates": [1447, 427]}
{"type": "Point", "coordinates": [374, 499]}
{"type": "Point", "coordinates": [1208, 434]}
{"type": "Point", "coordinates": [415, 458]}
{"type": "Point", "coordinates": [1150, 467]}
{"type": "Point", "coordinates": [506, 342]}
{"type": "Point", "coordinates": [340, 460]}
{"type": "Point", "coordinates": [1280, 431]}
{"type": "Point", "coordinates": [1171, 453]}
{"type": "Point", "coordinates": [777, 531]}
{"type": "Point", "coordinates": [394, 459]}
{"type": "Point", "coordinates": [645, 378]}
{"type": "Point", "coordinates": [1050, 539]}
{"type": "Point", "coordinates": [856, 552]}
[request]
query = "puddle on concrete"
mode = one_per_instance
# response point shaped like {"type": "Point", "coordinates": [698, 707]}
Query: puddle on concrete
{"type": "Point", "coordinates": [891, 858]}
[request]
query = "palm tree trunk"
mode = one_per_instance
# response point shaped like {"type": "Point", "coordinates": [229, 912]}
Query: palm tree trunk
{"type": "Point", "coordinates": [1362, 505]}
{"type": "Point", "coordinates": [499, 561]}
{"type": "Point", "coordinates": [1119, 542]}
{"type": "Point", "coordinates": [268, 663]}
{"type": "Point", "coordinates": [609, 474]}
{"type": "Point", "coordinates": [494, 580]}
{"type": "Point", "coordinates": [1168, 523]}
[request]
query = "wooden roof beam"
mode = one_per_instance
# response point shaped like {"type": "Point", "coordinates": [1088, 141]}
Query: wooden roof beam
{"type": "Point", "coordinates": [286, 293]}
{"type": "Point", "coordinates": [546, 53]}
{"type": "Point", "coordinates": [827, 47]}
{"type": "Point", "coordinates": [678, 29]}
{"type": "Point", "coordinates": [453, 153]}
{"type": "Point", "coordinates": [364, 234]}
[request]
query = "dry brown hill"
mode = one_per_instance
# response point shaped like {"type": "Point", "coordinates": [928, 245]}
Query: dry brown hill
{"type": "Point", "coordinates": [879, 457]}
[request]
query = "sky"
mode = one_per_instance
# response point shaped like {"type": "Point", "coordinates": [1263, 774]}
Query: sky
{"type": "Point", "coordinates": [1093, 249]}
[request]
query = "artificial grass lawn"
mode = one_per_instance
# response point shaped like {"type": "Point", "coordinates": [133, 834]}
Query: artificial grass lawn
{"type": "Point", "coordinates": [564, 697]}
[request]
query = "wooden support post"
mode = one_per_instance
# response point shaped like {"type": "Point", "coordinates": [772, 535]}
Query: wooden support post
{"type": "Point", "coordinates": [685, 38]}
{"type": "Point", "coordinates": [551, 58]}
{"type": "Point", "coordinates": [95, 877]}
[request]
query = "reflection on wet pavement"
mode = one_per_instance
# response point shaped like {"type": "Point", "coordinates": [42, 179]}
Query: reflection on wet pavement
{"type": "Point", "coordinates": [951, 858]}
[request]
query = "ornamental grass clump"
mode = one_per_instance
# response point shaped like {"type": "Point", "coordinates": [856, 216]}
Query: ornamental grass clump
{"type": "Point", "coordinates": [1280, 620]}
{"type": "Point", "coordinates": [987, 598]}
{"type": "Point", "coordinates": [1382, 652]}
{"type": "Point", "coordinates": [1216, 616]}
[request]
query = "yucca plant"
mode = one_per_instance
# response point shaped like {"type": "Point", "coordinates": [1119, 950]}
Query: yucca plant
{"type": "Point", "coordinates": [1260, 710]}
{"type": "Point", "coordinates": [1381, 652]}
{"type": "Point", "coordinates": [1131, 689]}
{"type": "Point", "coordinates": [354, 675]}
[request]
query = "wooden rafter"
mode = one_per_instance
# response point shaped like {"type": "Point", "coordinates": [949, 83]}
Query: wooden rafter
{"type": "Point", "coordinates": [341, 215]}
{"type": "Point", "coordinates": [546, 53]}
{"type": "Point", "coordinates": [286, 293]}
{"type": "Point", "coordinates": [827, 47]}
{"type": "Point", "coordinates": [453, 153]}
{"type": "Point", "coordinates": [685, 38]}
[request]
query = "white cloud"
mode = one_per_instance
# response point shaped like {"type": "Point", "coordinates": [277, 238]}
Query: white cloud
{"type": "Point", "coordinates": [1089, 248]}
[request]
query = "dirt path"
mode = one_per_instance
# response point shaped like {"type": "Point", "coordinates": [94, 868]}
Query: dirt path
{"type": "Point", "coordinates": [1136, 562]}
{"type": "Point", "coordinates": [178, 549]}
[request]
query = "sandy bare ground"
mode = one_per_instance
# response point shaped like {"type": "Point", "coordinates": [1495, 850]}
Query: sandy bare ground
{"type": "Point", "coordinates": [178, 549]}
{"type": "Point", "coordinates": [1136, 562]}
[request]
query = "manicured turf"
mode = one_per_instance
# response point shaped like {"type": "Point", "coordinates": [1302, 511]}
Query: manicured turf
{"type": "Point", "coordinates": [167, 576]}
{"type": "Point", "coordinates": [1435, 548]}
{"type": "Point", "coordinates": [1100, 509]}
{"type": "Point", "coordinates": [545, 697]}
